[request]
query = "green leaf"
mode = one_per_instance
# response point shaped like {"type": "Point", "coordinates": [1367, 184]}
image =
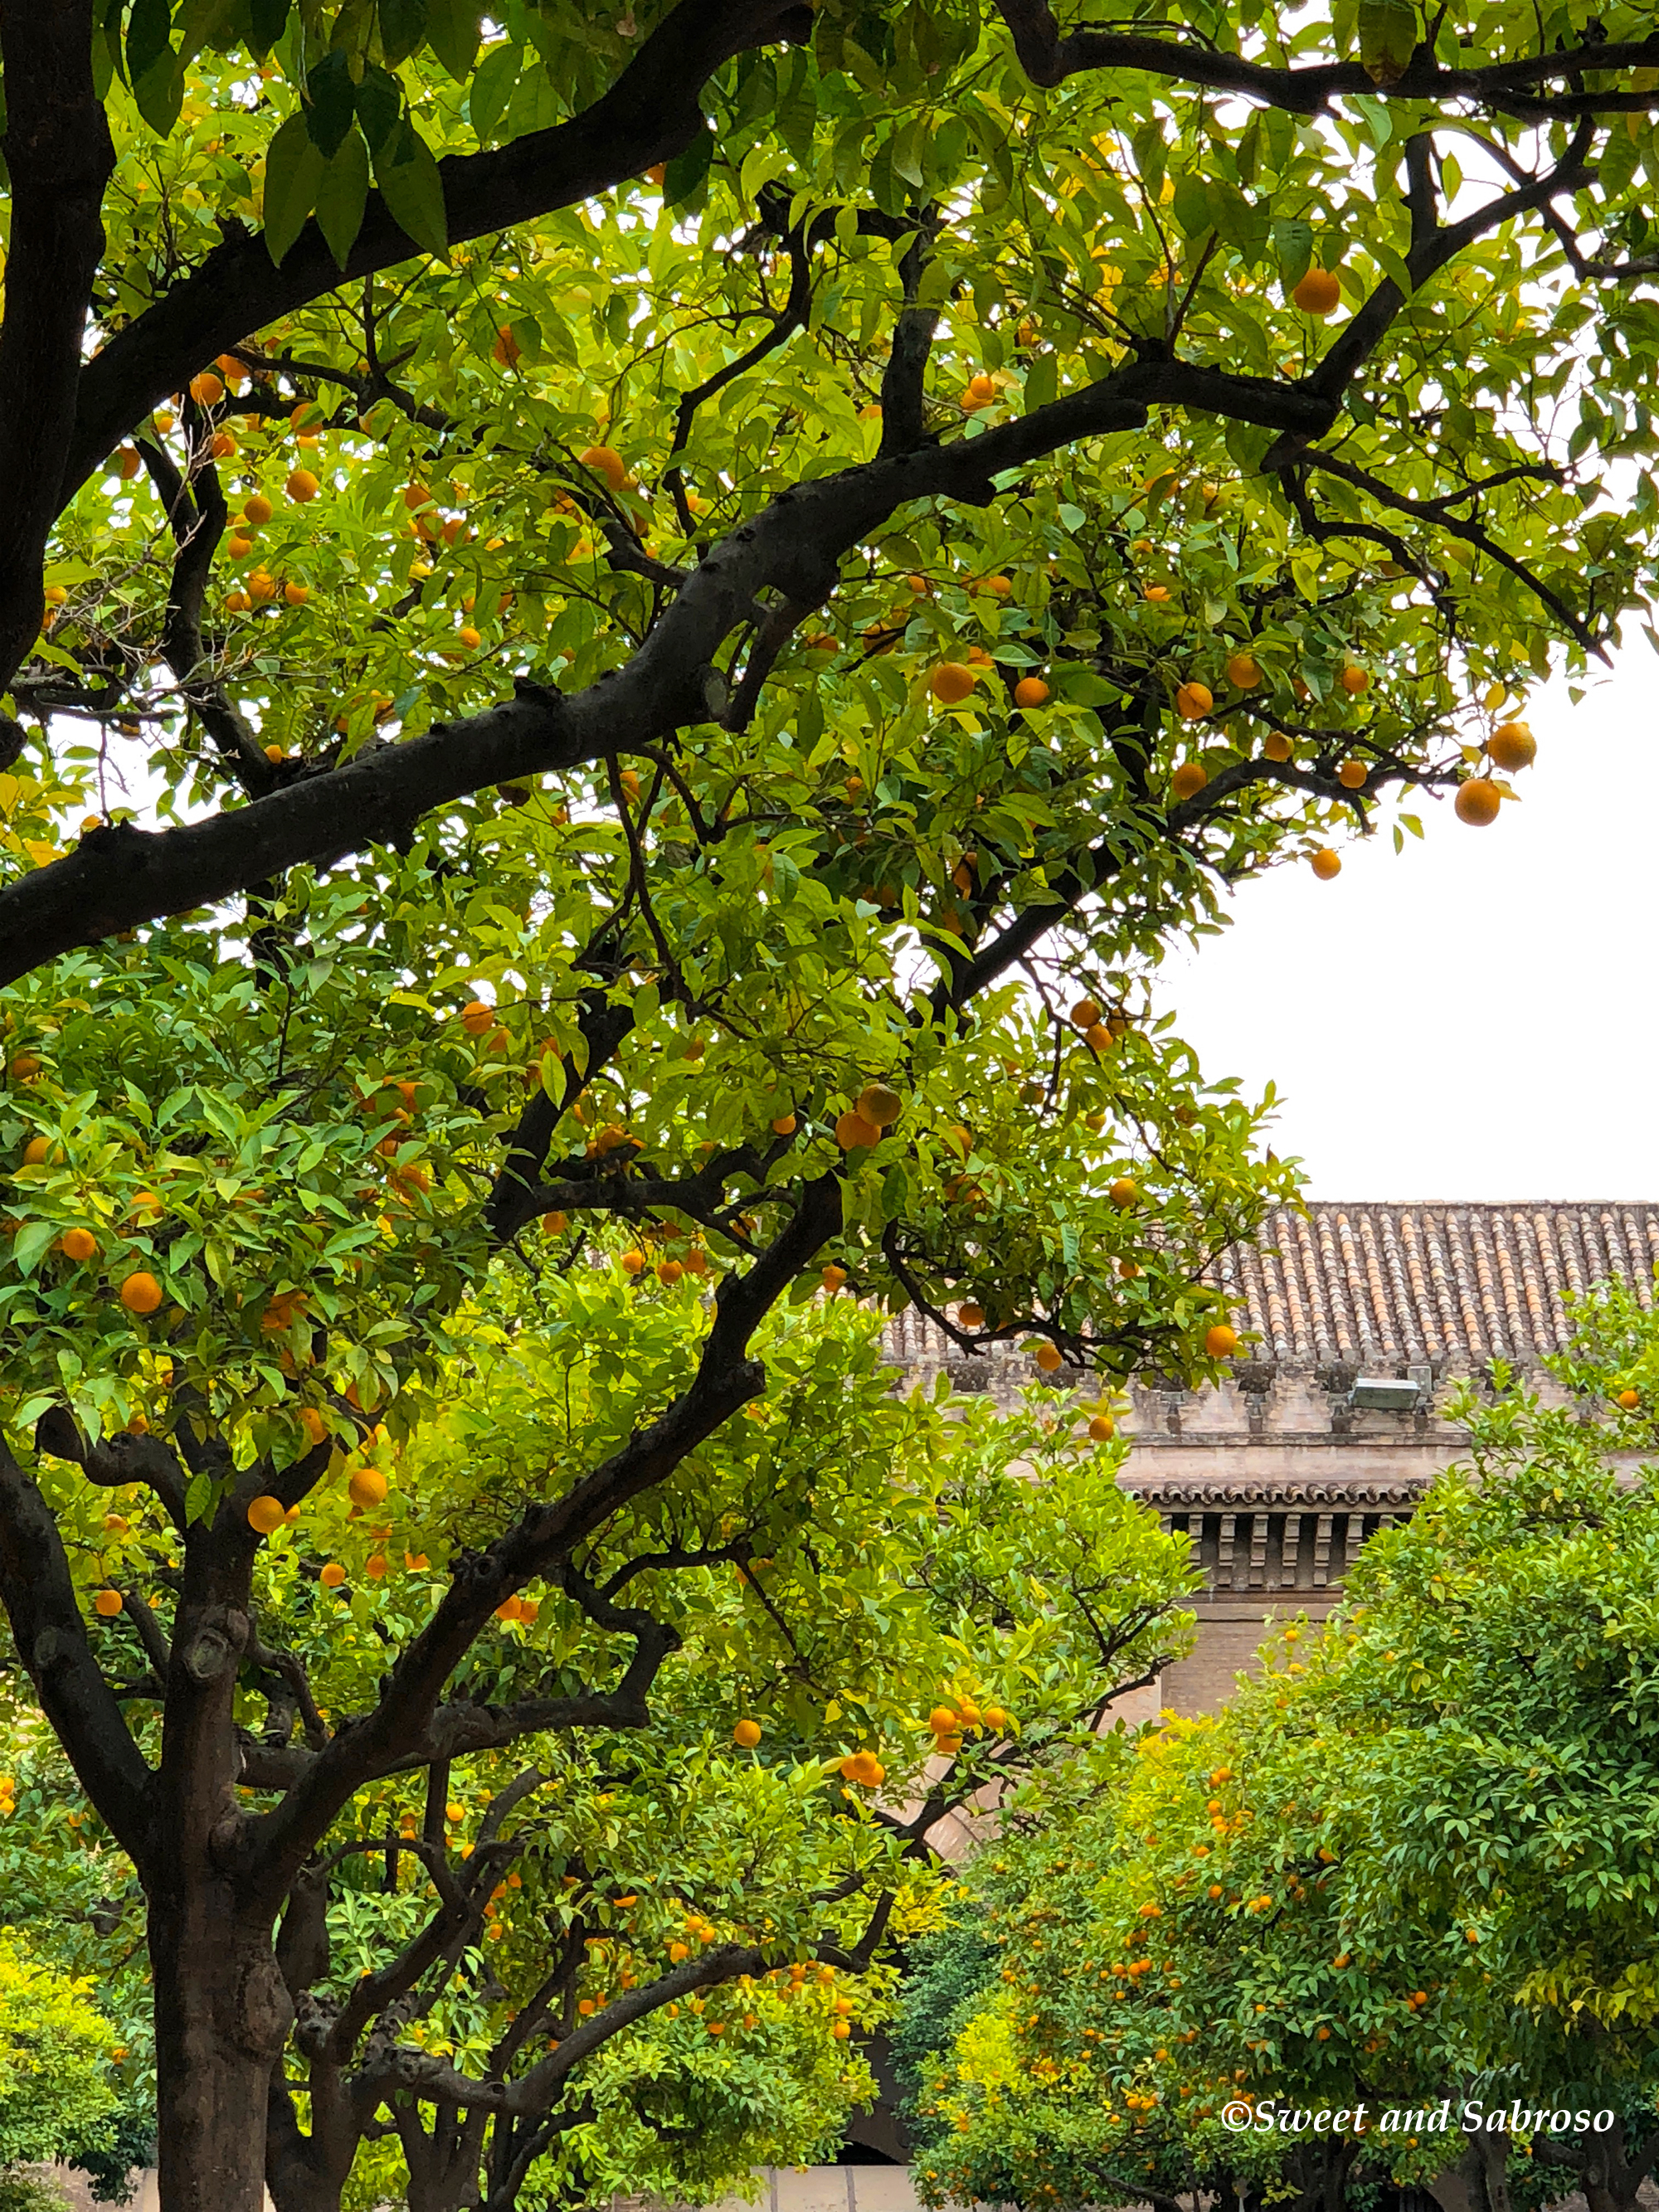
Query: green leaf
{"type": "Point", "coordinates": [330, 103]}
{"type": "Point", "coordinates": [413, 190]}
{"type": "Point", "coordinates": [1293, 248]}
{"type": "Point", "coordinates": [687, 171]}
{"type": "Point", "coordinates": [1388, 38]}
{"type": "Point", "coordinates": [32, 1240]}
{"type": "Point", "coordinates": [294, 169]}
{"type": "Point", "coordinates": [267, 21]}
{"type": "Point", "coordinates": [403, 26]}
{"type": "Point", "coordinates": [149, 37]}
{"type": "Point", "coordinates": [452, 33]}
{"type": "Point", "coordinates": [492, 88]}
{"type": "Point", "coordinates": [342, 197]}
{"type": "Point", "coordinates": [379, 106]}
{"type": "Point", "coordinates": [1042, 381]}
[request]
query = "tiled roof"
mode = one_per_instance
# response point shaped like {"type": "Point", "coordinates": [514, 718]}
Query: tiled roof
{"type": "Point", "coordinates": [1458, 1283]}
{"type": "Point", "coordinates": [1372, 1284]}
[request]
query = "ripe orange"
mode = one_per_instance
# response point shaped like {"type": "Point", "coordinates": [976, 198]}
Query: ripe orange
{"type": "Point", "coordinates": [25, 1067]}
{"type": "Point", "coordinates": [266, 1513]}
{"type": "Point", "coordinates": [1477, 802]}
{"type": "Point", "coordinates": [1098, 1037]}
{"type": "Point", "coordinates": [1355, 680]}
{"type": "Point", "coordinates": [633, 1263]}
{"type": "Point", "coordinates": [1030, 692]}
{"type": "Point", "coordinates": [302, 485]}
{"type": "Point", "coordinates": [315, 1427]}
{"type": "Point", "coordinates": [1156, 594]}
{"type": "Point", "coordinates": [784, 1126]}
{"type": "Point", "coordinates": [832, 1278]}
{"type": "Point", "coordinates": [670, 1272]}
{"type": "Point", "coordinates": [1102, 1428]}
{"type": "Point", "coordinates": [1086, 1014]}
{"type": "Point", "coordinates": [746, 1734]}
{"type": "Point", "coordinates": [78, 1244]}
{"type": "Point", "coordinates": [1630, 1400]}
{"type": "Point", "coordinates": [34, 1151]}
{"type": "Point", "coordinates": [854, 1133]}
{"type": "Point", "coordinates": [506, 348]}
{"type": "Point", "coordinates": [877, 1103]}
{"type": "Point", "coordinates": [981, 391]}
{"type": "Point", "coordinates": [1194, 699]}
{"type": "Point", "coordinates": [332, 1574]}
{"type": "Point", "coordinates": [1277, 746]}
{"type": "Point", "coordinates": [261, 586]}
{"type": "Point", "coordinates": [1124, 1193]}
{"type": "Point", "coordinates": [206, 390]}
{"type": "Point", "coordinates": [108, 1602]}
{"type": "Point", "coordinates": [141, 1294]}
{"type": "Point", "coordinates": [127, 463]}
{"type": "Point", "coordinates": [657, 173]}
{"type": "Point", "coordinates": [607, 462]}
{"type": "Point", "coordinates": [223, 445]}
{"type": "Point", "coordinates": [1512, 746]}
{"type": "Point", "coordinates": [556, 1222]}
{"type": "Point", "coordinates": [477, 1017]}
{"type": "Point", "coordinates": [950, 683]}
{"type": "Point", "coordinates": [367, 1487]}
{"type": "Point", "coordinates": [970, 1315]}
{"type": "Point", "coordinates": [1048, 1357]}
{"type": "Point", "coordinates": [1326, 864]}
{"type": "Point", "coordinates": [296, 595]}
{"type": "Point", "coordinates": [1221, 1342]}
{"type": "Point", "coordinates": [1243, 671]}
{"type": "Point", "coordinates": [257, 508]}
{"type": "Point", "coordinates": [1318, 292]}
{"type": "Point", "coordinates": [1352, 775]}
{"type": "Point", "coordinates": [469, 637]}
{"type": "Point", "coordinates": [1189, 778]}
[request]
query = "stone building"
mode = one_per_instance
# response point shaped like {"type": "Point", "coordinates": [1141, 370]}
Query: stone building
{"type": "Point", "coordinates": [1281, 1472]}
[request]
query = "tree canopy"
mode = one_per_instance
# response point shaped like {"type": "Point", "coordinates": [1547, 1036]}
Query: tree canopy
{"type": "Point", "coordinates": [649, 621]}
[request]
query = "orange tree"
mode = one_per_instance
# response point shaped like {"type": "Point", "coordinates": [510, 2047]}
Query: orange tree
{"type": "Point", "coordinates": [1410, 1865]}
{"type": "Point", "coordinates": [650, 620]}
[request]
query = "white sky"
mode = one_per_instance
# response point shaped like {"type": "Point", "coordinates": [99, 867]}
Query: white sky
{"type": "Point", "coordinates": [1479, 1018]}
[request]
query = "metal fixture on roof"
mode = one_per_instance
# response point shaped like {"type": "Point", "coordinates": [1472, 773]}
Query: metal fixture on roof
{"type": "Point", "coordinates": [1385, 1394]}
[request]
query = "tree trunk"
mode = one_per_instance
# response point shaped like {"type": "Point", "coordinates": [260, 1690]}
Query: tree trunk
{"type": "Point", "coordinates": [221, 2017]}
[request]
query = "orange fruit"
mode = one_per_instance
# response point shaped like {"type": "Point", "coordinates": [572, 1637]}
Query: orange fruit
{"type": "Point", "coordinates": [141, 1294]}
{"type": "Point", "coordinates": [746, 1734]}
{"type": "Point", "coordinates": [1097, 1037]}
{"type": "Point", "coordinates": [1318, 292]}
{"type": "Point", "coordinates": [784, 1126]}
{"type": "Point", "coordinates": [257, 508]}
{"type": "Point", "coordinates": [26, 1066]}
{"type": "Point", "coordinates": [1156, 594]}
{"type": "Point", "coordinates": [315, 1427]}
{"type": "Point", "coordinates": [506, 348]}
{"type": "Point", "coordinates": [670, 1272]}
{"type": "Point", "coordinates": [1630, 1400]}
{"type": "Point", "coordinates": [1512, 746]}
{"type": "Point", "coordinates": [1085, 1014]}
{"type": "Point", "coordinates": [1352, 775]}
{"type": "Point", "coordinates": [970, 1315]}
{"type": "Point", "coordinates": [980, 393]}
{"type": "Point", "coordinates": [261, 586]}
{"type": "Point", "coordinates": [108, 1602]}
{"type": "Point", "coordinates": [877, 1103]}
{"type": "Point", "coordinates": [1030, 692]}
{"type": "Point", "coordinates": [367, 1487]}
{"type": "Point", "coordinates": [556, 1222]}
{"type": "Point", "coordinates": [240, 547]}
{"type": "Point", "coordinates": [127, 462]}
{"type": "Point", "coordinates": [78, 1244]}
{"type": "Point", "coordinates": [1124, 1193]}
{"type": "Point", "coordinates": [1355, 680]}
{"type": "Point", "coordinates": [332, 1574]}
{"type": "Point", "coordinates": [478, 1016]}
{"type": "Point", "coordinates": [832, 1278]}
{"type": "Point", "coordinates": [1221, 1342]}
{"type": "Point", "coordinates": [296, 595]}
{"type": "Point", "coordinates": [1102, 1428]}
{"type": "Point", "coordinates": [469, 637]}
{"type": "Point", "coordinates": [1189, 778]}
{"type": "Point", "coordinates": [417, 495]}
{"type": "Point", "coordinates": [374, 1566]}
{"type": "Point", "coordinates": [854, 1133]}
{"type": "Point", "coordinates": [657, 173]}
{"type": "Point", "coordinates": [266, 1513]}
{"type": "Point", "coordinates": [1277, 746]}
{"type": "Point", "coordinates": [1477, 802]}
{"type": "Point", "coordinates": [950, 683]}
{"type": "Point", "coordinates": [632, 1263]}
{"type": "Point", "coordinates": [302, 486]}
{"type": "Point", "coordinates": [34, 1151]}
{"type": "Point", "coordinates": [1048, 1357]}
{"type": "Point", "coordinates": [206, 390]}
{"type": "Point", "coordinates": [1243, 670]}
{"type": "Point", "coordinates": [1194, 699]}
{"type": "Point", "coordinates": [1326, 864]}
{"type": "Point", "coordinates": [995, 1717]}
{"type": "Point", "coordinates": [607, 462]}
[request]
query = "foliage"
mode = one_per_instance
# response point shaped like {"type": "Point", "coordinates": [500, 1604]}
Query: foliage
{"type": "Point", "coordinates": [55, 2049]}
{"type": "Point", "coordinates": [663, 615]}
{"type": "Point", "coordinates": [1412, 1860]}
